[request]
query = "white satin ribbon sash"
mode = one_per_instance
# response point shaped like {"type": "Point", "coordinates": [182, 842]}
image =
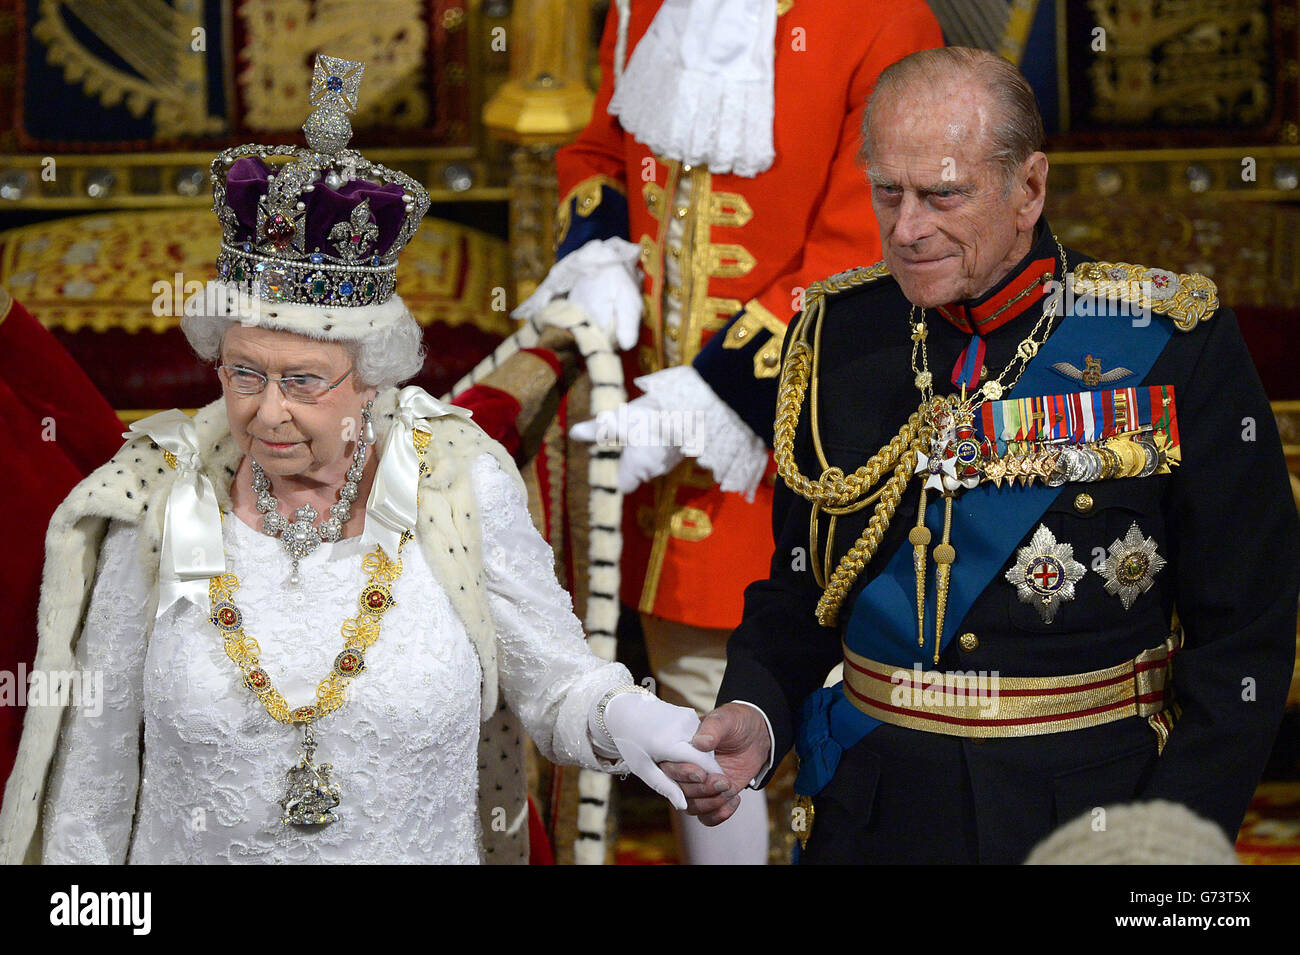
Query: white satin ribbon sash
{"type": "Point", "coordinates": [391, 507]}
{"type": "Point", "coordinates": [192, 550]}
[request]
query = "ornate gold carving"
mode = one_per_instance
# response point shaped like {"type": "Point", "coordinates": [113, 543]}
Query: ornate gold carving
{"type": "Point", "coordinates": [1181, 63]}
{"type": "Point", "coordinates": [282, 35]}
{"type": "Point", "coordinates": [103, 272]}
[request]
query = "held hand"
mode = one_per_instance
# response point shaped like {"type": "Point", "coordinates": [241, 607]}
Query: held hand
{"type": "Point", "coordinates": [648, 731]}
{"type": "Point", "coordinates": [635, 427]}
{"type": "Point", "coordinates": [737, 737]}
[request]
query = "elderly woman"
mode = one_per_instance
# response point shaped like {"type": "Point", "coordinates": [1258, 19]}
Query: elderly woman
{"type": "Point", "coordinates": [282, 688]}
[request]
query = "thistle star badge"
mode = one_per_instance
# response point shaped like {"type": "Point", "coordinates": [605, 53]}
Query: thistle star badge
{"type": "Point", "coordinates": [1131, 565]}
{"type": "Point", "coordinates": [1045, 573]}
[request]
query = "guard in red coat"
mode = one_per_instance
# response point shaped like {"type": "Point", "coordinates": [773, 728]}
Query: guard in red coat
{"type": "Point", "coordinates": [721, 158]}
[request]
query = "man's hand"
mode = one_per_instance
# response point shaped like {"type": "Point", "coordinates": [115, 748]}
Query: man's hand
{"type": "Point", "coordinates": [737, 736]}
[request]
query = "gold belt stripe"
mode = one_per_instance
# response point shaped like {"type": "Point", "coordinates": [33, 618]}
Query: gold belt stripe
{"type": "Point", "coordinates": [1026, 706]}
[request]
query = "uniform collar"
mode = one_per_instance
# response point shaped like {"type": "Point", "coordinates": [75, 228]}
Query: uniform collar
{"type": "Point", "coordinates": [980, 316]}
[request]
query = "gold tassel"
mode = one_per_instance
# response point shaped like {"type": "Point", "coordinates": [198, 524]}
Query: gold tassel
{"type": "Point", "coordinates": [920, 538]}
{"type": "Point", "coordinates": [944, 556]}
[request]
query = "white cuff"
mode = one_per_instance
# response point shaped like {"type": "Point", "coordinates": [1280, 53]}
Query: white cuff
{"type": "Point", "coordinates": [771, 744]}
{"type": "Point", "coordinates": [713, 434]}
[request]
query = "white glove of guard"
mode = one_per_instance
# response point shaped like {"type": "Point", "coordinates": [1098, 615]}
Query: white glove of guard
{"type": "Point", "coordinates": [601, 279]}
{"type": "Point", "coordinates": [648, 731]}
{"type": "Point", "coordinates": [634, 427]}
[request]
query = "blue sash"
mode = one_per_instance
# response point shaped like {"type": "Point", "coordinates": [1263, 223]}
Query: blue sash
{"type": "Point", "coordinates": [988, 524]}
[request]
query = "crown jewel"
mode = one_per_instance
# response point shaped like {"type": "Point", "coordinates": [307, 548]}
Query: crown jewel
{"type": "Point", "coordinates": [325, 228]}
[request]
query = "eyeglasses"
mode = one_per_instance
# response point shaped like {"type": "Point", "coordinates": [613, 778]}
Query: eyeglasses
{"type": "Point", "coordinates": [303, 388]}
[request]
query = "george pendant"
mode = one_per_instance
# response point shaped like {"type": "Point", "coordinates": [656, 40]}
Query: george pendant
{"type": "Point", "coordinates": [312, 797]}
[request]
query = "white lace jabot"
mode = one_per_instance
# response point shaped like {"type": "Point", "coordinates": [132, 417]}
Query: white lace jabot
{"type": "Point", "coordinates": [699, 87]}
{"type": "Point", "coordinates": [403, 748]}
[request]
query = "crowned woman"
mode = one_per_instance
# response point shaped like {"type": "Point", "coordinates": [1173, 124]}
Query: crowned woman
{"type": "Point", "coordinates": [319, 609]}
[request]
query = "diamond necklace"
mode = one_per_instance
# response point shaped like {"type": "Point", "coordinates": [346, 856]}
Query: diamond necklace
{"type": "Point", "coordinates": [303, 535]}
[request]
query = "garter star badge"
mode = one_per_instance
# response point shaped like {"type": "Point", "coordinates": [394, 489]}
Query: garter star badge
{"type": "Point", "coordinates": [1045, 573]}
{"type": "Point", "coordinates": [1131, 565]}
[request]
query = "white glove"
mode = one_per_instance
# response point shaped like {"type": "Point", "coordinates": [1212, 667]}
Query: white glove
{"type": "Point", "coordinates": [601, 279]}
{"type": "Point", "coordinates": [636, 427]}
{"type": "Point", "coordinates": [648, 731]}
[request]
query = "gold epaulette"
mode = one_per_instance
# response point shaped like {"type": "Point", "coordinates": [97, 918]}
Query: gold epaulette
{"type": "Point", "coordinates": [1187, 298]}
{"type": "Point", "coordinates": [844, 280]}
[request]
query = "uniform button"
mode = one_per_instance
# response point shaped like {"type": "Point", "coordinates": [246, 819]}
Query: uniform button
{"type": "Point", "coordinates": [686, 167]}
{"type": "Point", "coordinates": [770, 360]}
{"type": "Point", "coordinates": [969, 641]}
{"type": "Point", "coordinates": [1083, 503]}
{"type": "Point", "coordinates": [680, 212]}
{"type": "Point", "coordinates": [672, 332]}
{"type": "Point", "coordinates": [675, 251]}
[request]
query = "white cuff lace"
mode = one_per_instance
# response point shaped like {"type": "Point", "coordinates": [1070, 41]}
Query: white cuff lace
{"type": "Point", "coordinates": [715, 435]}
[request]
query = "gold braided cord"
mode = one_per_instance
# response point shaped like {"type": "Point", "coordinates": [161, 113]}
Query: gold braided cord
{"type": "Point", "coordinates": [834, 492]}
{"type": "Point", "coordinates": [864, 549]}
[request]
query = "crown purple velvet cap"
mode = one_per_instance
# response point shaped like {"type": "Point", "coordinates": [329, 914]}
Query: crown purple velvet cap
{"type": "Point", "coordinates": [247, 182]}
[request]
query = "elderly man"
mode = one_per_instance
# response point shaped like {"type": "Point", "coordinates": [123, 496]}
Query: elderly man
{"type": "Point", "coordinates": [1032, 508]}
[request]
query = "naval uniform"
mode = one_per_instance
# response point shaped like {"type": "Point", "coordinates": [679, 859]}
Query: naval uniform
{"type": "Point", "coordinates": [1222, 523]}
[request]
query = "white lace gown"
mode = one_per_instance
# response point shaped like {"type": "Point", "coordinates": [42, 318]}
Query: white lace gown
{"type": "Point", "coordinates": [404, 747]}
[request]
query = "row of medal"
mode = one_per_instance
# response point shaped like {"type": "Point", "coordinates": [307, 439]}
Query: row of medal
{"type": "Point", "coordinates": [966, 460]}
{"type": "Point", "coordinates": [1095, 461]}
